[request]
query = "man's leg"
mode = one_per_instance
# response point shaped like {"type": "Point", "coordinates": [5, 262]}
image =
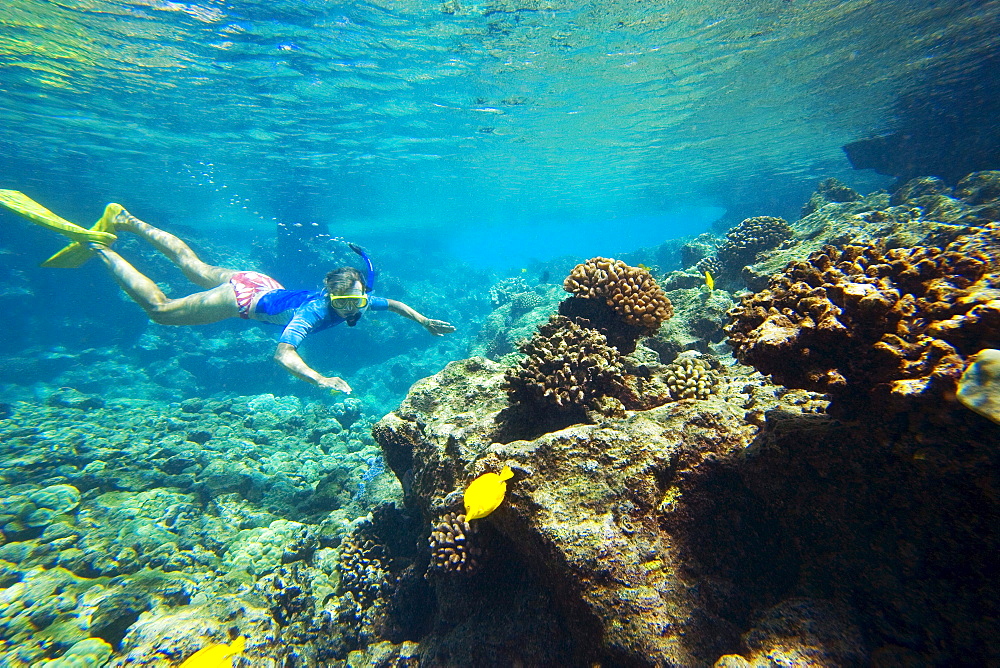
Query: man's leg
{"type": "Point", "coordinates": [201, 308]}
{"type": "Point", "coordinates": [178, 252]}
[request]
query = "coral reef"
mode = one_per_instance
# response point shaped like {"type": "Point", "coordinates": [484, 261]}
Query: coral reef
{"type": "Point", "coordinates": [514, 319]}
{"type": "Point", "coordinates": [567, 366]}
{"type": "Point", "coordinates": [145, 526]}
{"type": "Point", "coordinates": [657, 537]}
{"type": "Point", "coordinates": [711, 264]}
{"type": "Point", "coordinates": [453, 546]}
{"type": "Point", "coordinates": [750, 238]}
{"type": "Point", "coordinates": [690, 376]}
{"type": "Point", "coordinates": [504, 291]}
{"type": "Point", "coordinates": [667, 507]}
{"type": "Point", "coordinates": [362, 571]}
{"type": "Point", "coordinates": [922, 212]}
{"type": "Point", "coordinates": [631, 292]}
{"type": "Point", "coordinates": [868, 326]}
{"type": "Point", "coordinates": [827, 191]}
{"type": "Point", "coordinates": [698, 249]}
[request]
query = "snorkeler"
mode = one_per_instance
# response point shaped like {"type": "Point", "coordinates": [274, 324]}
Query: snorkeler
{"type": "Point", "coordinates": [228, 293]}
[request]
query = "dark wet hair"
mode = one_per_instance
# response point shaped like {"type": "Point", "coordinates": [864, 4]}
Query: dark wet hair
{"type": "Point", "coordinates": [341, 280]}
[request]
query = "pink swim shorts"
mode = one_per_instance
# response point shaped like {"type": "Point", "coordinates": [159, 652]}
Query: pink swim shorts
{"type": "Point", "coordinates": [247, 285]}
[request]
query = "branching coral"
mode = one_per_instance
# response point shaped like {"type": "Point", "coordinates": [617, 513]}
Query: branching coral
{"type": "Point", "coordinates": [522, 302]}
{"type": "Point", "coordinates": [453, 546]}
{"type": "Point", "coordinates": [362, 569]}
{"type": "Point", "coordinates": [867, 325]}
{"type": "Point", "coordinates": [752, 236]}
{"type": "Point", "coordinates": [690, 376]}
{"type": "Point", "coordinates": [631, 291]}
{"type": "Point", "coordinates": [567, 366]}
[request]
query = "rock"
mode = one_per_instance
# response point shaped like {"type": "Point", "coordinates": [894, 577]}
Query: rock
{"type": "Point", "coordinates": [89, 653]}
{"type": "Point", "coordinates": [116, 613]}
{"type": "Point", "coordinates": [979, 188]}
{"type": "Point", "coordinates": [979, 386]}
{"type": "Point", "coordinates": [805, 632]}
{"type": "Point", "coordinates": [9, 574]}
{"type": "Point", "coordinates": [731, 661]}
{"type": "Point", "coordinates": [60, 499]}
{"type": "Point", "coordinates": [566, 524]}
{"type": "Point", "coordinates": [70, 398]}
{"type": "Point", "coordinates": [259, 551]}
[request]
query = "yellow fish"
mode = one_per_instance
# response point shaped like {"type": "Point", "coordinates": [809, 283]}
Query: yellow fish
{"type": "Point", "coordinates": [709, 281]}
{"type": "Point", "coordinates": [485, 493]}
{"type": "Point", "coordinates": [216, 656]}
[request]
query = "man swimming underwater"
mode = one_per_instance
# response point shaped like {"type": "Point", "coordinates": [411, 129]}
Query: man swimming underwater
{"type": "Point", "coordinates": [228, 293]}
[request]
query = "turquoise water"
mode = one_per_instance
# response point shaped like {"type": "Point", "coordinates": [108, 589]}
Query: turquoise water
{"type": "Point", "coordinates": [447, 119]}
{"type": "Point", "coordinates": [459, 142]}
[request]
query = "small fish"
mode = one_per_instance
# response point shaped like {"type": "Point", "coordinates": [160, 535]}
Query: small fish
{"type": "Point", "coordinates": [218, 655]}
{"type": "Point", "coordinates": [485, 493]}
{"type": "Point", "coordinates": [709, 281]}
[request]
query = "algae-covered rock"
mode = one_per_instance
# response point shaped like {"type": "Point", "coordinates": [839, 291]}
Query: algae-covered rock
{"type": "Point", "coordinates": [116, 613]}
{"type": "Point", "coordinates": [60, 499]}
{"type": "Point", "coordinates": [580, 529]}
{"type": "Point", "coordinates": [70, 398]}
{"type": "Point", "coordinates": [259, 551]}
{"type": "Point", "coordinates": [24, 514]}
{"type": "Point", "coordinates": [42, 611]}
{"type": "Point", "coordinates": [805, 632]}
{"type": "Point", "coordinates": [979, 387]}
{"type": "Point", "coordinates": [89, 653]}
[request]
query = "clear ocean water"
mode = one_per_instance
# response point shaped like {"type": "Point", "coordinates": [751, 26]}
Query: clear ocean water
{"type": "Point", "coordinates": [462, 143]}
{"type": "Point", "coordinates": [497, 131]}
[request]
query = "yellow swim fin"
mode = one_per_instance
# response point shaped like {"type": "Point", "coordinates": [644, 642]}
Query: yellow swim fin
{"type": "Point", "coordinates": [77, 252]}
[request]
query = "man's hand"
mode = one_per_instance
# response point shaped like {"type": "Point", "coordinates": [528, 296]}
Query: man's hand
{"type": "Point", "coordinates": [334, 383]}
{"type": "Point", "coordinates": [438, 327]}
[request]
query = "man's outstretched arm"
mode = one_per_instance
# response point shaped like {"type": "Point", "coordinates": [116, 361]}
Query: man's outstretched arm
{"type": "Point", "coordinates": [287, 356]}
{"type": "Point", "coordinates": [435, 327]}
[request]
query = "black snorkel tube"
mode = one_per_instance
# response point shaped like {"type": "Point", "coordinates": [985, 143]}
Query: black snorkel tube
{"type": "Point", "coordinates": [369, 279]}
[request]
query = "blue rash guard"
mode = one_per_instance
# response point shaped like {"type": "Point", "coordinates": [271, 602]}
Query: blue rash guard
{"type": "Point", "coordinates": [303, 312]}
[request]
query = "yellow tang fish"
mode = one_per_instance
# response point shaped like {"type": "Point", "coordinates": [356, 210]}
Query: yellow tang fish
{"type": "Point", "coordinates": [485, 493]}
{"type": "Point", "coordinates": [216, 656]}
{"type": "Point", "coordinates": [709, 281]}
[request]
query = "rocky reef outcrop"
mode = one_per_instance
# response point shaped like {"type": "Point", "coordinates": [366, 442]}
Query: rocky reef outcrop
{"type": "Point", "coordinates": [737, 521]}
{"type": "Point", "coordinates": [874, 327]}
{"type": "Point", "coordinates": [702, 530]}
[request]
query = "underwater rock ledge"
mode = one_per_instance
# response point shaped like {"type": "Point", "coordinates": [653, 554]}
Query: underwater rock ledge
{"type": "Point", "coordinates": [742, 528]}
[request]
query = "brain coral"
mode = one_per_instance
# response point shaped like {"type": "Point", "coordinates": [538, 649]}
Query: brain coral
{"type": "Point", "coordinates": [866, 325]}
{"type": "Point", "coordinates": [568, 366]}
{"type": "Point", "coordinates": [631, 291]}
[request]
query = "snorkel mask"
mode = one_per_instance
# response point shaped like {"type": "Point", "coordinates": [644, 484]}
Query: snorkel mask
{"type": "Point", "coordinates": [361, 301]}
